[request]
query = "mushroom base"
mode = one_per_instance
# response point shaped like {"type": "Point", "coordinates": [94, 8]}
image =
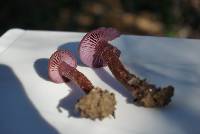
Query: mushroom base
{"type": "Point", "coordinates": [96, 104]}
{"type": "Point", "coordinates": [154, 97]}
{"type": "Point", "coordinates": [146, 94]}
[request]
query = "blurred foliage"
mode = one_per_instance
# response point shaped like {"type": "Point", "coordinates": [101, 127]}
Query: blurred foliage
{"type": "Point", "coordinates": [179, 18]}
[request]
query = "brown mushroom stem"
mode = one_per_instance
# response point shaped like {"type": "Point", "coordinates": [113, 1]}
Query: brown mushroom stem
{"type": "Point", "coordinates": [97, 103]}
{"type": "Point", "coordinates": [77, 77]}
{"type": "Point", "coordinates": [147, 95]}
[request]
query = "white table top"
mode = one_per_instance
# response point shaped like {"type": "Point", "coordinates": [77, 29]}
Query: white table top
{"type": "Point", "coordinates": [29, 100]}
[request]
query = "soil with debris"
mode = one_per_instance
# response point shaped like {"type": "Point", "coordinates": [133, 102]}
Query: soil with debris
{"type": "Point", "coordinates": [145, 94]}
{"type": "Point", "coordinates": [148, 95]}
{"type": "Point", "coordinates": [97, 104]}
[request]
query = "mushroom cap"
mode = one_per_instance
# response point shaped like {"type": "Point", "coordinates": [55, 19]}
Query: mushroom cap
{"type": "Point", "coordinates": [93, 43]}
{"type": "Point", "coordinates": [55, 61]}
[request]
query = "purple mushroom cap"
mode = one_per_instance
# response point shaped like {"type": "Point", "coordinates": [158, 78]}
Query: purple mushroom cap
{"type": "Point", "coordinates": [94, 43]}
{"type": "Point", "coordinates": [55, 61]}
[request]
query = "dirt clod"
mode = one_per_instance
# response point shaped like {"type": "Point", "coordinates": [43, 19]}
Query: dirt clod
{"type": "Point", "coordinates": [96, 104]}
{"type": "Point", "coordinates": [155, 97]}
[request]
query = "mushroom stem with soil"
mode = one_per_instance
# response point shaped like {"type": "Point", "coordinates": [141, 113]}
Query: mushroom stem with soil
{"type": "Point", "coordinates": [97, 103]}
{"type": "Point", "coordinates": [96, 51]}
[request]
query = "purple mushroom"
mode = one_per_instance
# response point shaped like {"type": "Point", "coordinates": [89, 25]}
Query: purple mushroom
{"type": "Point", "coordinates": [95, 51]}
{"type": "Point", "coordinates": [97, 103]}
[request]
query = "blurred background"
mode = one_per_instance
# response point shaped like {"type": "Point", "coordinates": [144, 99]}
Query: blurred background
{"type": "Point", "coordinates": [174, 18]}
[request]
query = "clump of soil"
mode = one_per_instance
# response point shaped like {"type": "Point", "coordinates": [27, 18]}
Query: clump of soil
{"type": "Point", "coordinates": [151, 97]}
{"type": "Point", "coordinates": [96, 104]}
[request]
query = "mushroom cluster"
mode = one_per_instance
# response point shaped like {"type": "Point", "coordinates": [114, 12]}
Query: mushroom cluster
{"type": "Point", "coordinates": [95, 51]}
{"type": "Point", "coordinates": [97, 103]}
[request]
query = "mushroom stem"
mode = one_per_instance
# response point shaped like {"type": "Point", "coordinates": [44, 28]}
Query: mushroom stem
{"type": "Point", "coordinates": [77, 77]}
{"type": "Point", "coordinates": [147, 95]}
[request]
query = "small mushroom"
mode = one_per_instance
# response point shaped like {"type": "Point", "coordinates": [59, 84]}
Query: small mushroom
{"type": "Point", "coordinates": [96, 103]}
{"type": "Point", "coordinates": [95, 51]}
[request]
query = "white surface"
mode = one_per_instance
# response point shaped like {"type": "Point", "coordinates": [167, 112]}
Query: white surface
{"type": "Point", "coordinates": [29, 101]}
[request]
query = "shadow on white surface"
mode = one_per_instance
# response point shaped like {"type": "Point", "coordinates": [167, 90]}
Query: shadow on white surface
{"type": "Point", "coordinates": [180, 112]}
{"type": "Point", "coordinates": [183, 117]}
{"type": "Point", "coordinates": [68, 102]}
{"type": "Point", "coordinates": [73, 48]}
{"type": "Point", "coordinates": [17, 113]}
{"type": "Point", "coordinates": [41, 68]}
{"type": "Point", "coordinates": [116, 85]}
{"type": "Point", "coordinates": [168, 62]}
{"type": "Point", "coordinates": [179, 74]}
